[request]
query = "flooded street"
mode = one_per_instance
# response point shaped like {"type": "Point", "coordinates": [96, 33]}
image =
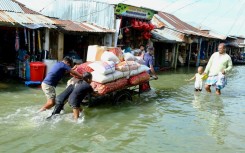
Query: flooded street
{"type": "Point", "coordinates": [171, 118]}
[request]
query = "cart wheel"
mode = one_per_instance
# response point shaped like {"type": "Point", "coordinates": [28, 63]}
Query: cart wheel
{"type": "Point", "coordinates": [121, 97]}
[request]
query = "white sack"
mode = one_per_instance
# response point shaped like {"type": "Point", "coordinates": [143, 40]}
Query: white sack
{"type": "Point", "coordinates": [103, 67]}
{"type": "Point", "coordinates": [109, 56]}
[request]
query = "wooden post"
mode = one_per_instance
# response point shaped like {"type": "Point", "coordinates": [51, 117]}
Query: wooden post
{"type": "Point", "coordinates": [46, 43]}
{"type": "Point", "coordinates": [189, 58]}
{"type": "Point", "coordinates": [199, 50]}
{"type": "Point", "coordinates": [176, 56]}
{"type": "Point", "coordinates": [173, 55]}
{"type": "Point", "coordinates": [60, 46]}
{"type": "Point", "coordinates": [39, 41]}
{"type": "Point", "coordinates": [33, 42]}
{"type": "Point", "coordinates": [206, 54]}
{"type": "Point", "coordinates": [29, 41]}
{"type": "Point", "coordinates": [184, 58]}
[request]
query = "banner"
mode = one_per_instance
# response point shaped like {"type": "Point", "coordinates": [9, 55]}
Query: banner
{"type": "Point", "coordinates": [135, 12]}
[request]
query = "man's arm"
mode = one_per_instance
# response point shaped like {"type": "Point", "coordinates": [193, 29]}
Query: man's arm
{"type": "Point", "coordinates": [76, 73]}
{"type": "Point", "coordinates": [153, 72]}
{"type": "Point", "coordinates": [209, 64]}
{"type": "Point", "coordinates": [229, 67]}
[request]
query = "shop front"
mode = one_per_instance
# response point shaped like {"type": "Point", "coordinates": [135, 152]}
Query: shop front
{"type": "Point", "coordinates": [19, 47]}
{"type": "Point", "coordinates": [77, 36]}
{"type": "Point", "coordinates": [133, 27]}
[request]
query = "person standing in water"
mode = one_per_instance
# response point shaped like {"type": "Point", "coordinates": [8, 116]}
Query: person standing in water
{"type": "Point", "coordinates": [53, 77]}
{"type": "Point", "coordinates": [198, 79]}
{"type": "Point", "coordinates": [80, 91]}
{"type": "Point", "coordinates": [218, 66]}
{"type": "Point", "coordinates": [149, 62]}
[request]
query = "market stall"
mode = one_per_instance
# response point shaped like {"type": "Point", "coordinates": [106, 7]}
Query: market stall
{"type": "Point", "coordinates": [134, 26]}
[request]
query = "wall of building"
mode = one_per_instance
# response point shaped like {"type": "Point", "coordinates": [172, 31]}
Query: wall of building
{"type": "Point", "coordinates": [100, 13]}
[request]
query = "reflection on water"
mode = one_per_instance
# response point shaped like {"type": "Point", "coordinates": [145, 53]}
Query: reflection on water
{"type": "Point", "coordinates": [212, 108]}
{"type": "Point", "coordinates": [170, 118]}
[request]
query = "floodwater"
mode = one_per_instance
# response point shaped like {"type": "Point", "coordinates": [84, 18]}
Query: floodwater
{"type": "Point", "coordinates": [171, 118]}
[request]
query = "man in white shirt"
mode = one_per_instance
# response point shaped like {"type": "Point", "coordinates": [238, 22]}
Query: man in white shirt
{"type": "Point", "coordinates": [218, 62]}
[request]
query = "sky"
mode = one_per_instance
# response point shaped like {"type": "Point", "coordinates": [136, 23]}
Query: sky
{"type": "Point", "coordinates": [226, 17]}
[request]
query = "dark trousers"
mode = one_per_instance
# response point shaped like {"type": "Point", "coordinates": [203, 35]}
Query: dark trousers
{"type": "Point", "coordinates": [61, 99]}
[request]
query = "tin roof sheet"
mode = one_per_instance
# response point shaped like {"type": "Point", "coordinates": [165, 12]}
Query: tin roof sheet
{"type": "Point", "coordinates": [69, 25]}
{"type": "Point", "coordinates": [173, 22]}
{"type": "Point", "coordinates": [25, 9]}
{"type": "Point", "coordinates": [11, 6]}
{"type": "Point", "coordinates": [168, 35]}
{"type": "Point", "coordinates": [23, 18]}
{"type": "Point", "coordinates": [91, 11]}
{"type": "Point", "coordinates": [6, 18]}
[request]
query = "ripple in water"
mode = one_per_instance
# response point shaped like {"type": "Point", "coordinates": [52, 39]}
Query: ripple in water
{"type": "Point", "coordinates": [28, 117]}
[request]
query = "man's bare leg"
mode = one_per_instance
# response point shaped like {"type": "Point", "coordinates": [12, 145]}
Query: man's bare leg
{"type": "Point", "coordinates": [49, 104]}
{"type": "Point", "coordinates": [207, 87]}
{"type": "Point", "coordinates": [76, 112]}
{"type": "Point", "coordinates": [218, 92]}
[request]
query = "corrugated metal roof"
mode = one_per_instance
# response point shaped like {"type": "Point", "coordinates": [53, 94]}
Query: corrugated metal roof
{"type": "Point", "coordinates": [101, 14]}
{"type": "Point", "coordinates": [176, 22]}
{"type": "Point", "coordinates": [219, 36]}
{"type": "Point", "coordinates": [241, 45]}
{"type": "Point", "coordinates": [25, 9]}
{"type": "Point", "coordinates": [6, 18]}
{"type": "Point", "coordinates": [173, 22]}
{"type": "Point", "coordinates": [155, 21]}
{"type": "Point", "coordinates": [73, 26]}
{"type": "Point", "coordinates": [9, 5]}
{"type": "Point", "coordinates": [21, 18]}
{"type": "Point", "coordinates": [232, 44]}
{"type": "Point", "coordinates": [168, 35]}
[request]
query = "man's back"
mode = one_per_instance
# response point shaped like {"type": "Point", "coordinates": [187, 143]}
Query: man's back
{"type": "Point", "coordinates": [80, 91]}
{"type": "Point", "coordinates": [56, 73]}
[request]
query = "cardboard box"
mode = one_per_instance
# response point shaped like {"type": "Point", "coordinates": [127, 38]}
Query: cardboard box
{"type": "Point", "coordinates": [95, 52]}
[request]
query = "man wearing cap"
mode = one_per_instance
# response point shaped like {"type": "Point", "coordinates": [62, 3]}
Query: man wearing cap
{"type": "Point", "coordinates": [52, 79]}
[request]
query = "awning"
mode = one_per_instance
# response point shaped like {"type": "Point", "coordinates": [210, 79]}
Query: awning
{"type": "Point", "coordinates": [40, 25]}
{"type": "Point", "coordinates": [241, 45]}
{"type": "Point", "coordinates": [168, 35]}
{"type": "Point", "coordinates": [172, 22]}
{"type": "Point", "coordinates": [232, 44]}
{"type": "Point", "coordinates": [72, 26]}
{"type": "Point", "coordinates": [32, 21]}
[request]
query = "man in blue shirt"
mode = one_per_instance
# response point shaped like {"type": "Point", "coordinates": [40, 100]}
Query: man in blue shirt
{"type": "Point", "coordinates": [149, 61]}
{"type": "Point", "coordinates": [52, 79]}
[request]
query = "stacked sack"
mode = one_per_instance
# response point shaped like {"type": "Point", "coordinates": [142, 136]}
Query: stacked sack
{"type": "Point", "coordinates": [114, 71]}
{"type": "Point", "coordinates": [105, 77]}
{"type": "Point", "coordinates": [137, 71]}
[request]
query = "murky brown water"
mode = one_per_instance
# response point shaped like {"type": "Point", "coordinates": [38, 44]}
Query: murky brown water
{"type": "Point", "coordinates": [171, 118]}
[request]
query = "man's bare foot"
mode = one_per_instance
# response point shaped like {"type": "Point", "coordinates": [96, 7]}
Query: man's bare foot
{"type": "Point", "coordinates": [218, 93]}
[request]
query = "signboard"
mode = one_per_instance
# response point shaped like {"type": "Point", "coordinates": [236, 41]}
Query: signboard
{"type": "Point", "coordinates": [134, 12]}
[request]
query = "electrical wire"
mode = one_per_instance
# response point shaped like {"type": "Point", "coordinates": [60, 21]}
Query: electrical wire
{"type": "Point", "coordinates": [168, 5]}
{"type": "Point", "coordinates": [97, 11]}
{"type": "Point", "coordinates": [237, 17]}
{"type": "Point", "coordinates": [211, 12]}
{"type": "Point", "coordinates": [93, 12]}
{"type": "Point", "coordinates": [243, 23]}
{"type": "Point", "coordinates": [47, 6]}
{"type": "Point", "coordinates": [224, 14]}
{"type": "Point", "coordinates": [185, 6]}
